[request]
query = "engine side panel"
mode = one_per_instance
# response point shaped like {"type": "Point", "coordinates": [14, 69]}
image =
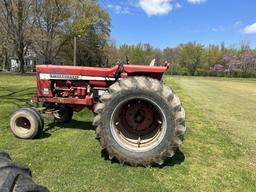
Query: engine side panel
{"type": "Point", "coordinates": [53, 82]}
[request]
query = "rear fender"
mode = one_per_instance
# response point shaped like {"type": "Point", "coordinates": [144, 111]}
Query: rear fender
{"type": "Point", "coordinates": [155, 72]}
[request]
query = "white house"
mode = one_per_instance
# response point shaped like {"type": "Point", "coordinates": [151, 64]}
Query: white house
{"type": "Point", "coordinates": [30, 61]}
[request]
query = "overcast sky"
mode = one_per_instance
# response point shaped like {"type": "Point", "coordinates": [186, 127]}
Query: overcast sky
{"type": "Point", "coordinates": [166, 23]}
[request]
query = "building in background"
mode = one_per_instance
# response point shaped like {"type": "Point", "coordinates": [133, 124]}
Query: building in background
{"type": "Point", "coordinates": [30, 59]}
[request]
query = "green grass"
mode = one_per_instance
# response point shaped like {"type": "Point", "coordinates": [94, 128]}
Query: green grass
{"type": "Point", "coordinates": [218, 154]}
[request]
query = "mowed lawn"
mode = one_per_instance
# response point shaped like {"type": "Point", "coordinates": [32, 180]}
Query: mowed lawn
{"type": "Point", "coordinates": [218, 154]}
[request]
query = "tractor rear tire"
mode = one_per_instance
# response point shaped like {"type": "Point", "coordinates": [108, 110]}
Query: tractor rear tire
{"type": "Point", "coordinates": [25, 123]}
{"type": "Point", "coordinates": [139, 121]}
{"type": "Point", "coordinates": [15, 177]}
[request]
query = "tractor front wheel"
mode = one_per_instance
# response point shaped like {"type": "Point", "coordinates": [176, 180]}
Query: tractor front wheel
{"type": "Point", "coordinates": [26, 123]}
{"type": "Point", "coordinates": [61, 113]}
{"type": "Point", "coordinates": [139, 121]}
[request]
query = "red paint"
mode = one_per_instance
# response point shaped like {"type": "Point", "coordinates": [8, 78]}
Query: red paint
{"type": "Point", "coordinates": [77, 70]}
{"type": "Point", "coordinates": [98, 83]}
{"type": "Point", "coordinates": [87, 101]}
{"type": "Point", "coordinates": [144, 68]}
{"type": "Point", "coordinates": [78, 93]}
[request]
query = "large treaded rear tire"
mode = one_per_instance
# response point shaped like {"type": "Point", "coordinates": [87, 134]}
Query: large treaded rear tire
{"type": "Point", "coordinates": [15, 177]}
{"type": "Point", "coordinates": [151, 92]}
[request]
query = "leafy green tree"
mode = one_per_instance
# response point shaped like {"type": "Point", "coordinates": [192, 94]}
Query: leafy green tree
{"type": "Point", "coordinates": [212, 56]}
{"type": "Point", "coordinates": [92, 25]}
{"type": "Point", "coordinates": [142, 53]}
{"type": "Point", "coordinates": [244, 46]}
{"type": "Point", "coordinates": [168, 54]}
{"type": "Point", "coordinates": [189, 56]}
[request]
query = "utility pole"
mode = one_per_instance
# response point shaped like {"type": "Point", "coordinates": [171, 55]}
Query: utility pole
{"type": "Point", "coordinates": [75, 38]}
{"type": "Point", "coordinates": [74, 51]}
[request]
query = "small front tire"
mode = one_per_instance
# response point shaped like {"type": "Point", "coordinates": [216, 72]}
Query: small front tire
{"type": "Point", "coordinates": [25, 124]}
{"type": "Point", "coordinates": [40, 120]}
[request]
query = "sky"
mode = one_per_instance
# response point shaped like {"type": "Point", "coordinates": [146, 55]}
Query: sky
{"type": "Point", "coordinates": [167, 23]}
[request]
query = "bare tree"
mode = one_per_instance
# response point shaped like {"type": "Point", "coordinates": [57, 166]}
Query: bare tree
{"type": "Point", "coordinates": [4, 48]}
{"type": "Point", "coordinates": [15, 21]}
{"type": "Point", "coordinates": [51, 18]}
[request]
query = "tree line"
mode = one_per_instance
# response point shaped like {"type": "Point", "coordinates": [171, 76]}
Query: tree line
{"type": "Point", "coordinates": [193, 58]}
{"type": "Point", "coordinates": [49, 27]}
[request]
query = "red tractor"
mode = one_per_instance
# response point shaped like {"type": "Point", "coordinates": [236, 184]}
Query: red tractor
{"type": "Point", "coordinates": [139, 120]}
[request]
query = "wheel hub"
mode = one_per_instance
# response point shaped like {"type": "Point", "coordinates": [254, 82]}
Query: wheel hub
{"type": "Point", "coordinates": [138, 117]}
{"type": "Point", "coordinates": [23, 123]}
{"type": "Point", "coordinates": [138, 124]}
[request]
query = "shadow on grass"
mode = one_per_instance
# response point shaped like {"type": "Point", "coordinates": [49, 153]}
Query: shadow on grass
{"type": "Point", "coordinates": [74, 124]}
{"type": "Point", "coordinates": [177, 159]}
{"type": "Point", "coordinates": [20, 97]}
{"type": "Point", "coordinates": [18, 93]}
{"type": "Point", "coordinates": [44, 135]}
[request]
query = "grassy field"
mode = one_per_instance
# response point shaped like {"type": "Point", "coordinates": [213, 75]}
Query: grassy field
{"type": "Point", "coordinates": [218, 154]}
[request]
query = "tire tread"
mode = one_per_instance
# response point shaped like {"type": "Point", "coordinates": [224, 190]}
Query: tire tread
{"type": "Point", "coordinates": [159, 88]}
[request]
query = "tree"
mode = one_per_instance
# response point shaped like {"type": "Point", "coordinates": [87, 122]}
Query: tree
{"type": "Point", "coordinates": [3, 49]}
{"type": "Point", "coordinates": [15, 21]}
{"type": "Point", "coordinates": [142, 53]}
{"type": "Point", "coordinates": [244, 46]}
{"type": "Point", "coordinates": [212, 56]}
{"type": "Point", "coordinates": [189, 56]}
{"type": "Point", "coordinates": [248, 63]}
{"type": "Point", "coordinates": [52, 29]}
{"type": "Point", "coordinates": [168, 54]}
{"type": "Point", "coordinates": [92, 24]}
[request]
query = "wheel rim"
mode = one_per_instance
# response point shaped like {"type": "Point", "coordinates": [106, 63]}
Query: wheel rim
{"type": "Point", "coordinates": [23, 124]}
{"type": "Point", "coordinates": [138, 124]}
